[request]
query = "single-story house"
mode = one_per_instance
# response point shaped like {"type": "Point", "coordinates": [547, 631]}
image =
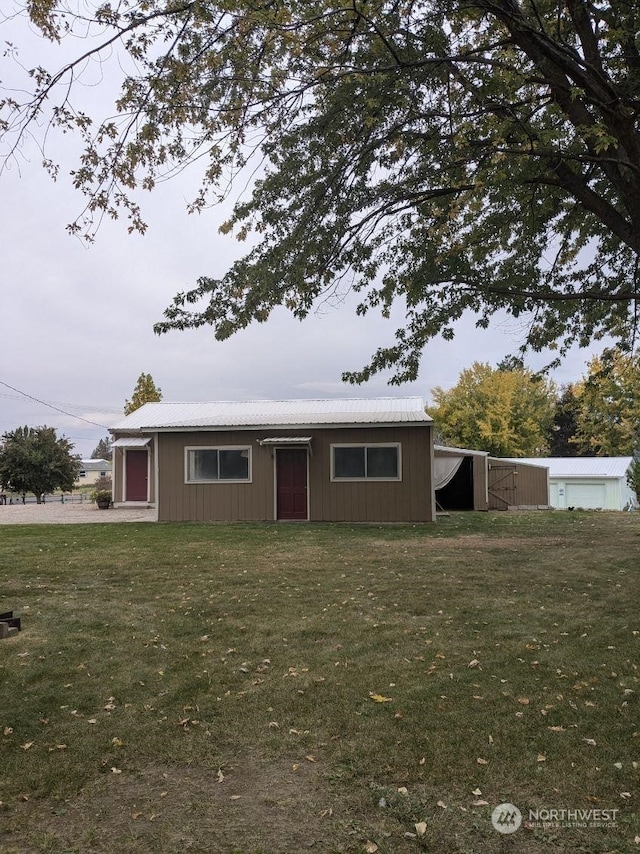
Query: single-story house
{"type": "Point", "coordinates": [590, 483]}
{"type": "Point", "coordinates": [473, 480]}
{"type": "Point", "coordinates": [92, 470]}
{"type": "Point", "coordinates": [342, 460]}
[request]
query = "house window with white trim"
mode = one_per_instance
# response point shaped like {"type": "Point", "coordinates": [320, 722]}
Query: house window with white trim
{"type": "Point", "coordinates": [213, 465]}
{"type": "Point", "coordinates": [366, 462]}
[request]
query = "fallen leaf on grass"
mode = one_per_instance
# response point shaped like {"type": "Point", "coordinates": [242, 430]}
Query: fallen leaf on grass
{"type": "Point", "coordinates": [482, 761]}
{"type": "Point", "coordinates": [477, 792]}
{"type": "Point", "coordinates": [590, 741]}
{"type": "Point", "coordinates": [379, 698]}
{"type": "Point", "coordinates": [542, 757]}
{"type": "Point", "coordinates": [442, 804]}
{"type": "Point", "coordinates": [421, 828]}
{"type": "Point", "coordinates": [480, 803]}
{"type": "Point", "coordinates": [27, 745]}
{"type": "Point", "coordinates": [370, 847]}
{"type": "Point", "coordinates": [220, 776]}
{"type": "Point", "coordinates": [116, 771]}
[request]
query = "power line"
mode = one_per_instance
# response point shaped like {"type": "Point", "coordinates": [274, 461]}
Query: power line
{"type": "Point", "coordinates": [51, 406]}
{"type": "Point", "coordinates": [6, 396]}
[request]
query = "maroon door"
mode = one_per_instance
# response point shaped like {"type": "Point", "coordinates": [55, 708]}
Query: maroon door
{"type": "Point", "coordinates": [136, 476]}
{"type": "Point", "coordinates": [291, 483]}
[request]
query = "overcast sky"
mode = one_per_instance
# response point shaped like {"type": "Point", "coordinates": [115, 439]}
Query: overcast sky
{"type": "Point", "coordinates": [77, 322]}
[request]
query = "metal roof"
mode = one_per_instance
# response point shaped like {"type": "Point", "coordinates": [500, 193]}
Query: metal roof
{"type": "Point", "coordinates": [582, 466]}
{"type": "Point", "coordinates": [94, 465]}
{"type": "Point", "coordinates": [275, 413]}
{"type": "Point", "coordinates": [463, 452]}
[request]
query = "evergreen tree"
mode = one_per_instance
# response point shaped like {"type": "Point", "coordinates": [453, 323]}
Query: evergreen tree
{"type": "Point", "coordinates": [102, 450]}
{"type": "Point", "coordinates": [563, 441]}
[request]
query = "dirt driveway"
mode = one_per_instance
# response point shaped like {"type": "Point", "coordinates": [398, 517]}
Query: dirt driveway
{"type": "Point", "coordinates": [55, 512]}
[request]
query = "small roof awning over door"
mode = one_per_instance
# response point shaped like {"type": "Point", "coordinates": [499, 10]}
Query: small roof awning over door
{"type": "Point", "coordinates": [131, 442]}
{"type": "Point", "coordinates": [287, 441]}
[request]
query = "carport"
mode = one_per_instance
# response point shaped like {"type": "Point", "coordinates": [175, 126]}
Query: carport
{"type": "Point", "coordinates": [466, 479]}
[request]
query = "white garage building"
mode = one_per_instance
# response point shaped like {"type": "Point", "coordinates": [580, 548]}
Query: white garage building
{"type": "Point", "coordinates": [591, 483]}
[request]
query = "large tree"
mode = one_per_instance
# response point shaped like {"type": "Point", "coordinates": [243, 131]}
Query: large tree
{"type": "Point", "coordinates": [447, 156]}
{"type": "Point", "coordinates": [563, 439]}
{"type": "Point", "coordinates": [34, 459]}
{"type": "Point", "coordinates": [608, 415]}
{"type": "Point", "coordinates": [505, 412]}
{"type": "Point", "coordinates": [145, 391]}
{"type": "Point", "coordinates": [103, 450]}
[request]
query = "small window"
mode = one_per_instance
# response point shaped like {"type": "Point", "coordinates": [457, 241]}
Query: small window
{"type": "Point", "coordinates": [82, 474]}
{"type": "Point", "coordinates": [365, 462]}
{"type": "Point", "coordinates": [209, 465]}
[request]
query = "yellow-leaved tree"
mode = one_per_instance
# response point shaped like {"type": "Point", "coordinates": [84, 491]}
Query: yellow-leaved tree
{"type": "Point", "coordinates": [145, 391]}
{"type": "Point", "coordinates": [505, 412]}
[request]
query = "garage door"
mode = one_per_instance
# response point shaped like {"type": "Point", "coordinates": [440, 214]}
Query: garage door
{"type": "Point", "coordinates": [590, 496]}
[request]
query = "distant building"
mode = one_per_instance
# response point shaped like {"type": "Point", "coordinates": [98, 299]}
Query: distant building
{"type": "Point", "coordinates": [92, 470]}
{"type": "Point", "coordinates": [590, 483]}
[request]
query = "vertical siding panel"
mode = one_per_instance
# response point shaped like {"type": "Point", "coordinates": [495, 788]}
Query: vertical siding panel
{"type": "Point", "coordinates": [406, 500]}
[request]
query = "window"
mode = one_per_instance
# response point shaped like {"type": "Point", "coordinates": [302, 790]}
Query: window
{"type": "Point", "coordinates": [82, 473]}
{"type": "Point", "coordinates": [365, 462]}
{"type": "Point", "coordinates": [210, 465]}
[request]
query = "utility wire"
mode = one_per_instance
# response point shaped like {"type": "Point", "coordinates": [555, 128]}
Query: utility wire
{"type": "Point", "coordinates": [51, 406]}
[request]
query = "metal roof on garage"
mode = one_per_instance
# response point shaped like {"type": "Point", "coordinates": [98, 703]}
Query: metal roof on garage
{"type": "Point", "coordinates": [582, 466]}
{"type": "Point", "coordinates": [276, 413]}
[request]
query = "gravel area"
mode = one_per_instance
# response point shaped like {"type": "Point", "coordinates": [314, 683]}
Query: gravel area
{"type": "Point", "coordinates": [55, 512]}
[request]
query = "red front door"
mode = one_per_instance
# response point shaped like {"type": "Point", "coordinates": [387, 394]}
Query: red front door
{"type": "Point", "coordinates": [136, 476]}
{"type": "Point", "coordinates": [291, 483]}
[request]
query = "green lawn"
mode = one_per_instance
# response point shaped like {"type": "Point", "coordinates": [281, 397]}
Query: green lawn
{"type": "Point", "coordinates": [280, 688]}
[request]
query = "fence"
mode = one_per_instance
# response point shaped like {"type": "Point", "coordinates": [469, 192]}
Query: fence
{"type": "Point", "coordinates": [64, 498]}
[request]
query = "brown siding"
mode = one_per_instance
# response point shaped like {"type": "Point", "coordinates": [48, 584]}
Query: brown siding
{"type": "Point", "coordinates": [118, 474]}
{"type": "Point", "coordinates": [480, 496]}
{"type": "Point", "coordinates": [517, 485]}
{"type": "Point", "coordinates": [408, 500]}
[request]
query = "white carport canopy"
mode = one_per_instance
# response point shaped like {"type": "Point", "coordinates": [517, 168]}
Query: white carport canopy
{"type": "Point", "coordinates": [444, 470]}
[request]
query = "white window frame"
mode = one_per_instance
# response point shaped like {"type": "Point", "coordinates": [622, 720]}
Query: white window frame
{"type": "Point", "coordinates": [365, 445]}
{"type": "Point", "coordinates": [246, 448]}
